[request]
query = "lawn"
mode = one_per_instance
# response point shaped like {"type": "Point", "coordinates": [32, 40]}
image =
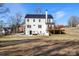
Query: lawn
{"type": "Point", "coordinates": [71, 33]}
{"type": "Point", "coordinates": [39, 47]}
{"type": "Point", "coordinates": [56, 44]}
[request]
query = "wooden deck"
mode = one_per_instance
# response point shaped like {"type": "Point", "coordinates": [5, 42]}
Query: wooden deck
{"type": "Point", "coordinates": [56, 31]}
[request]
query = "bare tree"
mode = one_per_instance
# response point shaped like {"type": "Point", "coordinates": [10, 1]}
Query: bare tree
{"type": "Point", "coordinates": [1, 24]}
{"type": "Point", "coordinates": [14, 21]}
{"type": "Point", "coordinates": [3, 11]}
{"type": "Point", "coordinates": [18, 21]}
{"type": "Point", "coordinates": [38, 10]}
{"type": "Point", "coordinates": [12, 24]}
{"type": "Point", "coordinates": [73, 21]}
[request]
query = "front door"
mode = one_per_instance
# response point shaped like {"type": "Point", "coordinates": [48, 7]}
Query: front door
{"type": "Point", "coordinates": [30, 32]}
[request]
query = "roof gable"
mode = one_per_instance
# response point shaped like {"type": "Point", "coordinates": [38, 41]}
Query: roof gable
{"type": "Point", "coordinates": [38, 16]}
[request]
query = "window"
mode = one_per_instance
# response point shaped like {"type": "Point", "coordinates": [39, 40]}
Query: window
{"type": "Point", "coordinates": [27, 20]}
{"type": "Point", "coordinates": [39, 26]}
{"type": "Point", "coordinates": [28, 26]}
{"type": "Point", "coordinates": [33, 20]}
{"type": "Point", "coordinates": [33, 25]}
{"type": "Point", "coordinates": [49, 20]}
{"type": "Point", "coordinates": [39, 20]}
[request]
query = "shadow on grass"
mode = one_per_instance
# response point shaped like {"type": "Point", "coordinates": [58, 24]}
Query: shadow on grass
{"type": "Point", "coordinates": [15, 42]}
{"type": "Point", "coordinates": [43, 50]}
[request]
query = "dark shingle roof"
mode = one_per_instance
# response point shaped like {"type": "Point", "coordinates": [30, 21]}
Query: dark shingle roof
{"type": "Point", "coordinates": [37, 16]}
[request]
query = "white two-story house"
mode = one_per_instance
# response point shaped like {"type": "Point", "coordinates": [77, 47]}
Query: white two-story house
{"type": "Point", "coordinates": [37, 24]}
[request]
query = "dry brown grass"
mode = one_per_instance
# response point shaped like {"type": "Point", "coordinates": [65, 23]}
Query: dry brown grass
{"type": "Point", "coordinates": [57, 44]}
{"type": "Point", "coordinates": [71, 33]}
{"type": "Point", "coordinates": [39, 47]}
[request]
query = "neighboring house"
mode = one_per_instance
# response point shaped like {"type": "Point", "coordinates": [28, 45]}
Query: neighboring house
{"type": "Point", "coordinates": [38, 24]}
{"type": "Point", "coordinates": [5, 31]}
{"type": "Point", "coordinates": [21, 28]}
{"type": "Point", "coordinates": [2, 31]}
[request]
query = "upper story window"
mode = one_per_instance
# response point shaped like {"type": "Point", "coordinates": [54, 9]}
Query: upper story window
{"type": "Point", "coordinates": [49, 20]}
{"type": "Point", "coordinates": [27, 20]}
{"type": "Point", "coordinates": [33, 25]}
{"type": "Point", "coordinates": [39, 20]}
{"type": "Point", "coordinates": [33, 20]}
{"type": "Point", "coordinates": [28, 26]}
{"type": "Point", "coordinates": [39, 26]}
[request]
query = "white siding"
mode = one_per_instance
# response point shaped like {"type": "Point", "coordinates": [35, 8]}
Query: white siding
{"type": "Point", "coordinates": [34, 26]}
